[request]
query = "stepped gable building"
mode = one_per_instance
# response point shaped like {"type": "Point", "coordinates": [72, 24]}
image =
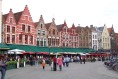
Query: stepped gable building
{"type": "Point", "coordinates": [64, 35]}
{"type": "Point", "coordinates": [19, 28]}
{"type": "Point", "coordinates": [73, 37]}
{"type": "Point", "coordinates": [9, 28]}
{"type": "Point", "coordinates": [112, 38]}
{"type": "Point", "coordinates": [104, 39]}
{"type": "Point", "coordinates": [53, 35]}
{"type": "Point", "coordinates": [41, 33]}
{"type": "Point", "coordinates": [84, 37]}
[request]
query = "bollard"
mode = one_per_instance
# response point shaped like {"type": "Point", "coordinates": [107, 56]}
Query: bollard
{"type": "Point", "coordinates": [17, 64]}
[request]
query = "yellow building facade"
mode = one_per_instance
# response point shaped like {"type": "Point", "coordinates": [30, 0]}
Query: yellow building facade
{"type": "Point", "coordinates": [105, 39]}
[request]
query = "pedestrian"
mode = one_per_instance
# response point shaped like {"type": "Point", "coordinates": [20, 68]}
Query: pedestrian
{"type": "Point", "coordinates": [3, 67]}
{"type": "Point", "coordinates": [43, 64]}
{"type": "Point", "coordinates": [60, 62]}
{"type": "Point", "coordinates": [31, 60]}
{"type": "Point", "coordinates": [54, 63]}
{"type": "Point", "coordinates": [67, 60]}
{"type": "Point", "coordinates": [84, 60]}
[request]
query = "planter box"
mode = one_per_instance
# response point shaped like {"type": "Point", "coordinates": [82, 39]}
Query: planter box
{"type": "Point", "coordinates": [11, 67]}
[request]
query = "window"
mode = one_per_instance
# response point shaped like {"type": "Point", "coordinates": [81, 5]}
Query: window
{"type": "Point", "coordinates": [53, 32]}
{"type": "Point", "coordinates": [39, 32]}
{"type": "Point", "coordinates": [8, 38]}
{"type": "Point", "coordinates": [37, 41]}
{"type": "Point", "coordinates": [11, 20]}
{"type": "Point", "coordinates": [65, 30]}
{"type": "Point", "coordinates": [41, 42]}
{"type": "Point", "coordinates": [31, 39]}
{"type": "Point", "coordinates": [43, 32]}
{"type": "Point", "coordinates": [13, 38]}
{"type": "Point", "coordinates": [8, 28]}
{"type": "Point", "coordinates": [23, 27]}
{"type": "Point", "coordinates": [63, 44]}
{"type": "Point", "coordinates": [13, 29]}
{"type": "Point", "coordinates": [26, 39]}
{"type": "Point", "coordinates": [29, 28]}
{"type": "Point", "coordinates": [41, 25]}
{"type": "Point", "coordinates": [20, 38]}
{"type": "Point", "coordinates": [93, 36]}
{"type": "Point", "coordinates": [44, 42]}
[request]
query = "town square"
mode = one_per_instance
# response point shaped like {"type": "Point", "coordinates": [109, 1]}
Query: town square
{"type": "Point", "coordinates": [42, 42]}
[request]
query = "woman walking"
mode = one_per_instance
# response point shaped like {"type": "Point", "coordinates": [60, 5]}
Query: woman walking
{"type": "Point", "coordinates": [43, 64]}
{"type": "Point", "coordinates": [60, 62]}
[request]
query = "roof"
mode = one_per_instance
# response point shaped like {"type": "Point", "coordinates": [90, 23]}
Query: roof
{"type": "Point", "coordinates": [116, 34]}
{"type": "Point", "coordinates": [78, 28]}
{"type": "Point", "coordinates": [100, 28]}
{"type": "Point", "coordinates": [35, 24]}
{"type": "Point", "coordinates": [47, 25]}
{"type": "Point", "coordinates": [59, 27]}
{"type": "Point", "coordinates": [17, 16]}
{"type": "Point", "coordinates": [109, 30]}
{"type": "Point", "coordinates": [4, 17]}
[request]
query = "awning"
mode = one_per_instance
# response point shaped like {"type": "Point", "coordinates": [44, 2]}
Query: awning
{"type": "Point", "coordinates": [3, 46]}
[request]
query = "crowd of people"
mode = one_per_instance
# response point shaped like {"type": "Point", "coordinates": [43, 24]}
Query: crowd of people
{"type": "Point", "coordinates": [55, 62]}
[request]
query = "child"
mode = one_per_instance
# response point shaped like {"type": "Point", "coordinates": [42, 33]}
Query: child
{"type": "Point", "coordinates": [43, 64]}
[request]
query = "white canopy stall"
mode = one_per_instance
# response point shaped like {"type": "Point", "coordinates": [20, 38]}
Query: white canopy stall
{"type": "Point", "coordinates": [15, 51]}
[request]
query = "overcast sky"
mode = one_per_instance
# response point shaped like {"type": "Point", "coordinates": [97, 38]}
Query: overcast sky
{"type": "Point", "coordinates": [83, 12]}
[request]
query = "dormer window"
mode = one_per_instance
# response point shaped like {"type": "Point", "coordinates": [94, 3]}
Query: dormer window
{"type": "Point", "coordinates": [11, 20]}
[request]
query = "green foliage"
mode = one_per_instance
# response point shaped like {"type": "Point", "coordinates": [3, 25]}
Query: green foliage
{"type": "Point", "coordinates": [11, 63]}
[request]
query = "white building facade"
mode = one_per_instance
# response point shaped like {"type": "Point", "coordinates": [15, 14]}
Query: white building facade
{"type": "Point", "coordinates": [94, 41]}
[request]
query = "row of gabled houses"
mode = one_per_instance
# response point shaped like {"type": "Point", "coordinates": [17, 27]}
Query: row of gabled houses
{"type": "Point", "coordinates": [19, 28]}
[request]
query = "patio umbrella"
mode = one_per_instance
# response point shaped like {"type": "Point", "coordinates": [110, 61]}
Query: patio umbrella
{"type": "Point", "coordinates": [15, 51]}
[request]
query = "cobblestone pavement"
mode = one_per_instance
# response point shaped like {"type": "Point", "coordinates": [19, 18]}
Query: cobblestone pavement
{"type": "Point", "coordinates": [89, 70]}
